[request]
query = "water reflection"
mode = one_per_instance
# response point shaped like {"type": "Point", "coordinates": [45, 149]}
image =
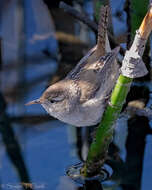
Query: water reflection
{"type": "Point", "coordinates": [138, 129]}
{"type": "Point", "coordinates": [11, 144]}
{"type": "Point", "coordinates": [67, 184]}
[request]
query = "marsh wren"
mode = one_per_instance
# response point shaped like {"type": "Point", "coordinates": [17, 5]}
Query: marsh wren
{"type": "Point", "coordinates": [80, 98]}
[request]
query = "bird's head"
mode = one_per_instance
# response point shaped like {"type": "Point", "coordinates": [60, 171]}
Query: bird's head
{"type": "Point", "coordinates": [58, 99]}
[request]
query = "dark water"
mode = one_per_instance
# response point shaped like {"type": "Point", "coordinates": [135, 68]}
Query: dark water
{"type": "Point", "coordinates": [37, 149]}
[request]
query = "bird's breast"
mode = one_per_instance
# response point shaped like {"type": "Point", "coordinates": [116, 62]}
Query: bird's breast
{"type": "Point", "coordinates": [87, 114]}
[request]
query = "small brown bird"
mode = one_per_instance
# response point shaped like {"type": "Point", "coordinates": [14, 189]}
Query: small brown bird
{"type": "Point", "coordinates": [81, 97]}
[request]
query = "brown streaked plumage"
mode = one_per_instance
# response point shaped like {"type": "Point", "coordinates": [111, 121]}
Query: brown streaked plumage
{"type": "Point", "coordinates": [81, 97]}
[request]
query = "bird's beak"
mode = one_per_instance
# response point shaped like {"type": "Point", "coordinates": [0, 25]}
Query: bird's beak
{"type": "Point", "coordinates": [37, 101]}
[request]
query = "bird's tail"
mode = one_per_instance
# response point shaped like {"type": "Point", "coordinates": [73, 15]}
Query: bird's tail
{"type": "Point", "coordinates": [102, 30]}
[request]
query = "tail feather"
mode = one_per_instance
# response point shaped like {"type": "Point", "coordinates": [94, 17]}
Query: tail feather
{"type": "Point", "coordinates": [102, 30]}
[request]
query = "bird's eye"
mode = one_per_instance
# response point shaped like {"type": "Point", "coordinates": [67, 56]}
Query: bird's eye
{"type": "Point", "coordinates": [52, 101]}
{"type": "Point", "coordinates": [56, 99]}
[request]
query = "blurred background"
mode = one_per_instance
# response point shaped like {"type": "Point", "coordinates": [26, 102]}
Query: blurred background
{"type": "Point", "coordinates": [39, 44]}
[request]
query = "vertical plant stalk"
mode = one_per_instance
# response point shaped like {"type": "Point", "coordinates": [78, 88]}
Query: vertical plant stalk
{"type": "Point", "coordinates": [98, 149]}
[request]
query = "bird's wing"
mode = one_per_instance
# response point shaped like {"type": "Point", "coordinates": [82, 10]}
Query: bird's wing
{"type": "Point", "coordinates": [89, 84]}
{"type": "Point", "coordinates": [88, 76]}
{"type": "Point", "coordinates": [91, 77]}
{"type": "Point", "coordinates": [84, 61]}
{"type": "Point", "coordinates": [85, 73]}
